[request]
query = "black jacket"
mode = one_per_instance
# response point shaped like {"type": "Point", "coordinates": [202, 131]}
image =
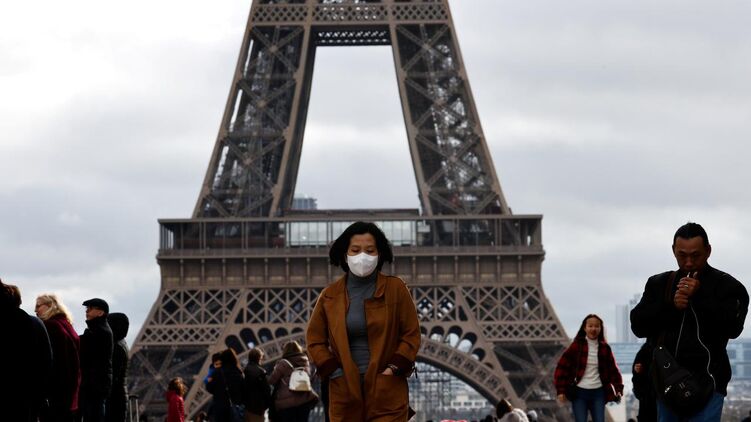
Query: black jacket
{"type": "Point", "coordinates": [225, 380]}
{"type": "Point", "coordinates": [257, 389]}
{"type": "Point", "coordinates": [642, 381]}
{"type": "Point", "coordinates": [27, 362]}
{"type": "Point", "coordinates": [117, 403]}
{"type": "Point", "coordinates": [96, 359]}
{"type": "Point", "coordinates": [720, 303]}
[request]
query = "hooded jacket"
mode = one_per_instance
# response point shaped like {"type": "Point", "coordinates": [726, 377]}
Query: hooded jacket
{"type": "Point", "coordinates": [117, 402]}
{"type": "Point", "coordinates": [721, 305]}
{"type": "Point", "coordinates": [96, 359]}
{"type": "Point", "coordinates": [393, 337]}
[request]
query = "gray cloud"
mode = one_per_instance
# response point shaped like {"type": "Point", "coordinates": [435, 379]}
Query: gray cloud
{"type": "Point", "coordinates": [618, 122]}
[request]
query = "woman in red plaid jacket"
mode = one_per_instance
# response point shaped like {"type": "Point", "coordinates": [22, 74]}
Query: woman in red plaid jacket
{"type": "Point", "coordinates": [587, 374]}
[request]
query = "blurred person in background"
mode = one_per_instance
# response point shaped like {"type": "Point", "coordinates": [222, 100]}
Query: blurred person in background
{"type": "Point", "coordinates": [65, 378]}
{"type": "Point", "coordinates": [26, 355]}
{"type": "Point", "coordinates": [175, 400]}
{"type": "Point", "coordinates": [117, 403]}
{"type": "Point", "coordinates": [96, 361]}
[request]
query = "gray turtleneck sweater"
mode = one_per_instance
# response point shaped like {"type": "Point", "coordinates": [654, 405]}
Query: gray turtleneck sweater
{"type": "Point", "coordinates": [358, 290]}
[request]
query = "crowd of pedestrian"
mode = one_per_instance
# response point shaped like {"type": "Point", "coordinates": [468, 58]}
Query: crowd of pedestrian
{"type": "Point", "coordinates": [51, 374]}
{"type": "Point", "coordinates": [363, 337]}
{"type": "Point", "coordinates": [246, 394]}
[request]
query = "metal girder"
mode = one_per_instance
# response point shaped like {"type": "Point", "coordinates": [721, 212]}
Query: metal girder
{"type": "Point", "coordinates": [253, 170]}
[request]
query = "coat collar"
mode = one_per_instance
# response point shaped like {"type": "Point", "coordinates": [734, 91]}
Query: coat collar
{"type": "Point", "coordinates": [340, 286]}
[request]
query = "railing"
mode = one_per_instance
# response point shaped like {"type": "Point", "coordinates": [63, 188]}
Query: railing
{"type": "Point", "coordinates": [349, 12]}
{"type": "Point", "coordinates": [303, 232]}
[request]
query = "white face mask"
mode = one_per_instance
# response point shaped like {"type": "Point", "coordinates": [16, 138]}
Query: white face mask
{"type": "Point", "coordinates": [362, 264]}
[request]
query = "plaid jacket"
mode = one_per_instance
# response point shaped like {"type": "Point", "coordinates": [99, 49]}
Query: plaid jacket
{"type": "Point", "coordinates": [573, 362]}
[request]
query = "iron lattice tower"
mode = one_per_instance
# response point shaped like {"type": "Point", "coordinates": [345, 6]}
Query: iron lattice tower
{"type": "Point", "coordinates": [246, 269]}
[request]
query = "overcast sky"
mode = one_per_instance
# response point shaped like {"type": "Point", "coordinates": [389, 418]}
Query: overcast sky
{"type": "Point", "coordinates": [618, 121]}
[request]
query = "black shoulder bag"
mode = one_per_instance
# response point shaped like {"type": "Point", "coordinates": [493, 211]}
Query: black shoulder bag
{"type": "Point", "coordinates": [683, 392]}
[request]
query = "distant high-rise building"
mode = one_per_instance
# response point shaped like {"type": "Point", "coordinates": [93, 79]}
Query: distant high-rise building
{"type": "Point", "coordinates": [304, 203]}
{"type": "Point", "coordinates": [623, 322]}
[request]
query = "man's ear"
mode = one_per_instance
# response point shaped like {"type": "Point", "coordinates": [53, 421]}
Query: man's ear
{"type": "Point", "coordinates": [709, 251]}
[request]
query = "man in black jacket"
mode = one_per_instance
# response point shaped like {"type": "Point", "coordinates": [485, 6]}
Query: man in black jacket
{"type": "Point", "coordinates": [96, 361]}
{"type": "Point", "coordinates": [693, 312]}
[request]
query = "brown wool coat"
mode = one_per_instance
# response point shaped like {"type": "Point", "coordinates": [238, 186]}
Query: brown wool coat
{"type": "Point", "coordinates": [393, 337]}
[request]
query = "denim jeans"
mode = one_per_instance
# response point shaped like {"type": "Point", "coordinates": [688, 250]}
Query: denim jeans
{"type": "Point", "coordinates": [590, 401]}
{"type": "Point", "coordinates": [712, 412]}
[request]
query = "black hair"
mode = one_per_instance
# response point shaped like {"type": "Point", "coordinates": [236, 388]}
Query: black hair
{"type": "Point", "coordinates": [583, 334]}
{"type": "Point", "coordinates": [338, 251]}
{"type": "Point", "coordinates": [216, 356]}
{"type": "Point", "coordinates": [691, 230]}
{"type": "Point", "coordinates": [10, 296]}
{"type": "Point", "coordinates": [502, 408]}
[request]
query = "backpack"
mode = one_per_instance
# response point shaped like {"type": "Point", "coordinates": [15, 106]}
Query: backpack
{"type": "Point", "coordinates": [299, 380]}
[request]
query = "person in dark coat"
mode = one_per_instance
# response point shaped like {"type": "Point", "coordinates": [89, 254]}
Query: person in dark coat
{"type": "Point", "coordinates": [117, 404]}
{"type": "Point", "coordinates": [27, 357]}
{"type": "Point", "coordinates": [257, 389]}
{"type": "Point", "coordinates": [642, 381]}
{"type": "Point", "coordinates": [291, 406]}
{"type": "Point", "coordinates": [66, 370]}
{"type": "Point", "coordinates": [693, 312]}
{"type": "Point", "coordinates": [96, 361]}
{"type": "Point", "coordinates": [226, 385]}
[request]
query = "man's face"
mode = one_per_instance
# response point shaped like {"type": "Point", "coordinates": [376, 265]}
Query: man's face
{"type": "Point", "coordinates": [92, 312]}
{"type": "Point", "coordinates": [691, 254]}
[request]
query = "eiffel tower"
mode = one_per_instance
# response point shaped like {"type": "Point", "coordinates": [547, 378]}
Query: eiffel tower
{"type": "Point", "coordinates": [246, 269]}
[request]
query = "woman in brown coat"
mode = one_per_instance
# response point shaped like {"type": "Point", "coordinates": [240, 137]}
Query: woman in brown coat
{"type": "Point", "coordinates": [364, 333]}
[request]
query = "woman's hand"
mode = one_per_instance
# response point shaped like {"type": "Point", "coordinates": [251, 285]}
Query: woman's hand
{"type": "Point", "coordinates": [562, 398]}
{"type": "Point", "coordinates": [387, 371]}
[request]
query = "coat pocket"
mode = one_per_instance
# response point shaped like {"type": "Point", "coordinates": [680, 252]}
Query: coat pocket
{"type": "Point", "coordinates": [391, 395]}
{"type": "Point", "coordinates": [340, 398]}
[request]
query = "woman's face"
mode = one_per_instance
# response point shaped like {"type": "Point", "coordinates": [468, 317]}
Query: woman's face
{"type": "Point", "coordinates": [41, 308]}
{"type": "Point", "coordinates": [360, 243]}
{"type": "Point", "coordinates": [592, 328]}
